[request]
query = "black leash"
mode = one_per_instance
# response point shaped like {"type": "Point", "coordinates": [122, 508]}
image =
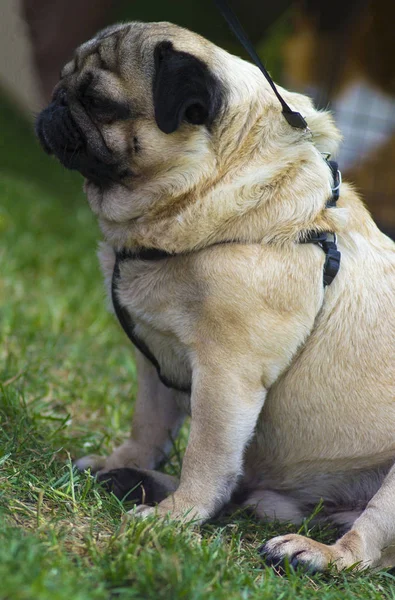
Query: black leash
{"type": "Point", "coordinates": [294, 119]}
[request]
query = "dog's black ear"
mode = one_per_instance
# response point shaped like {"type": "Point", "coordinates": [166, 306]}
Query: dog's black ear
{"type": "Point", "coordinates": [183, 89]}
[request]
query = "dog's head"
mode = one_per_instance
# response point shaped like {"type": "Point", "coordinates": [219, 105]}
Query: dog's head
{"type": "Point", "coordinates": [121, 92]}
{"type": "Point", "coordinates": [150, 112]}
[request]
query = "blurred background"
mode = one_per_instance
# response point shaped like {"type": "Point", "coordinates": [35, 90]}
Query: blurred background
{"type": "Point", "coordinates": [341, 53]}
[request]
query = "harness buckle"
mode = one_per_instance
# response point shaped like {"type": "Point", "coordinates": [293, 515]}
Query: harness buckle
{"type": "Point", "coordinates": [332, 258]}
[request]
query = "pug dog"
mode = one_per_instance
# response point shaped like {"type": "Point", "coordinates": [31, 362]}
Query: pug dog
{"type": "Point", "coordinates": [204, 194]}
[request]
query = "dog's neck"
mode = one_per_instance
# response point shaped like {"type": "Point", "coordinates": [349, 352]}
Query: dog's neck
{"type": "Point", "coordinates": [252, 189]}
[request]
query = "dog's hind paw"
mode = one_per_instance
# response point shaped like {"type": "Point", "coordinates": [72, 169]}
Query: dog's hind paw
{"type": "Point", "coordinates": [142, 512]}
{"type": "Point", "coordinates": [137, 485]}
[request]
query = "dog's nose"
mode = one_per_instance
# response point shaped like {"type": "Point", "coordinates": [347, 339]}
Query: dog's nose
{"type": "Point", "coordinates": [61, 98]}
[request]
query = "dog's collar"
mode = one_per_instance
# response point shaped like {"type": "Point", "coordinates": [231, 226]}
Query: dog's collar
{"type": "Point", "coordinates": [326, 240]}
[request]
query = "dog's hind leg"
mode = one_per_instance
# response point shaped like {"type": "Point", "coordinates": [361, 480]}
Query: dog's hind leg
{"type": "Point", "coordinates": [369, 543]}
{"type": "Point", "coordinates": [157, 417]}
{"type": "Point", "coordinates": [273, 506]}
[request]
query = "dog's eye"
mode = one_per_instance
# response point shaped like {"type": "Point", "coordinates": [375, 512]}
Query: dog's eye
{"type": "Point", "coordinates": [105, 109]}
{"type": "Point", "coordinates": [94, 102]}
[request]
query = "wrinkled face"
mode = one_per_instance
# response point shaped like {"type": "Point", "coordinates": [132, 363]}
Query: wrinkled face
{"type": "Point", "coordinates": [129, 100]}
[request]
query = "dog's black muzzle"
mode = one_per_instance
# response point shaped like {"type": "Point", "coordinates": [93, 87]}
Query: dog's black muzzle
{"type": "Point", "coordinates": [65, 130]}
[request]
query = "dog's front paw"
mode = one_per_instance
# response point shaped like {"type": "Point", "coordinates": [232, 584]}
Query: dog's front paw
{"type": "Point", "coordinates": [299, 551]}
{"type": "Point", "coordinates": [175, 508]}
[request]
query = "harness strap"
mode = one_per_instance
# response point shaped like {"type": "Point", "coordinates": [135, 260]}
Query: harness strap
{"type": "Point", "coordinates": [125, 319]}
{"type": "Point", "coordinates": [142, 254]}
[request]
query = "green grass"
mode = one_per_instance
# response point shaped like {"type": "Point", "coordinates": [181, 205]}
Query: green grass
{"type": "Point", "coordinates": [67, 387]}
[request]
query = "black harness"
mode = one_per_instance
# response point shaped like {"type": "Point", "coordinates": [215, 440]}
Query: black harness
{"type": "Point", "coordinates": [322, 239]}
{"type": "Point", "coordinates": [325, 240]}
